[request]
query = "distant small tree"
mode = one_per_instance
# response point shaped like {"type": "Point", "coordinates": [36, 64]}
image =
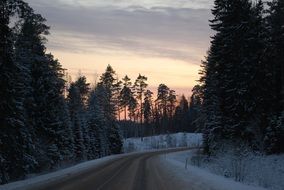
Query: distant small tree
{"type": "Point", "coordinates": [148, 109]}
{"type": "Point", "coordinates": [126, 95]}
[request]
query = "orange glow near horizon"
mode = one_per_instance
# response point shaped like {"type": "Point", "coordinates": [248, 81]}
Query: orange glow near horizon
{"type": "Point", "coordinates": [176, 74]}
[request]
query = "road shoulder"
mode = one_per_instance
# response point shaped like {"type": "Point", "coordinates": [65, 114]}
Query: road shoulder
{"type": "Point", "coordinates": [197, 178]}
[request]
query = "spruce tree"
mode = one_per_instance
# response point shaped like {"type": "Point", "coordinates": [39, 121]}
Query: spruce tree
{"type": "Point", "coordinates": [16, 147]}
{"type": "Point", "coordinates": [108, 84]}
{"type": "Point", "coordinates": [75, 106]}
{"type": "Point", "coordinates": [181, 120]}
{"type": "Point", "coordinates": [232, 73]}
{"type": "Point", "coordinates": [98, 132]}
{"type": "Point", "coordinates": [48, 111]}
{"type": "Point", "coordinates": [274, 134]}
{"type": "Point", "coordinates": [53, 121]}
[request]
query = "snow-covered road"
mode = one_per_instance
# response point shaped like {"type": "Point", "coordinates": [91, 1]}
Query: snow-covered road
{"type": "Point", "coordinates": [151, 170]}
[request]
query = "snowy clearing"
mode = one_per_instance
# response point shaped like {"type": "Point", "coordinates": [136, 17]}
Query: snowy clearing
{"type": "Point", "coordinates": [199, 178]}
{"type": "Point", "coordinates": [162, 142]}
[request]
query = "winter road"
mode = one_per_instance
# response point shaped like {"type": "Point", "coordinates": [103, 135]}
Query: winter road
{"type": "Point", "coordinates": [139, 171]}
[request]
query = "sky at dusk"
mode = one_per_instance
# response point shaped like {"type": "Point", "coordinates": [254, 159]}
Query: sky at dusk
{"type": "Point", "coordinates": [162, 39]}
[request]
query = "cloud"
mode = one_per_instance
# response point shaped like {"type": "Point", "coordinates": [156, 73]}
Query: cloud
{"type": "Point", "coordinates": [197, 4]}
{"type": "Point", "coordinates": [158, 30]}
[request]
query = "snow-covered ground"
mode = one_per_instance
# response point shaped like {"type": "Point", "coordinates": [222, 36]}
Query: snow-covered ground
{"type": "Point", "coordinates": [162, 142]}
{"type": "Point", "coordinates": [60, 174]}
{"type": "Point", "coordinates": [253, 170]}
{"type": "Point", "coordinates": [250, 168]}
{"type": "Point", "coordinates": [199, 178]}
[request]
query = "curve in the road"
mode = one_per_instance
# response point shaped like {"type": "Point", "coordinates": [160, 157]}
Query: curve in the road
{"type": "Point", "coordinates": [139, 171]}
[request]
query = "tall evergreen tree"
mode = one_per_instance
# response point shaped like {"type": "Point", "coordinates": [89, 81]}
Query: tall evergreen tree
{"type": "Point", "coordinates": [16, 148]}
{"type": "Point", "coordinates": [232, 73]}
{"type": "Point", "coordinates": [116, 96]}
{"type": "Point", "coordinates": [140, 86]}
{"type": "Point", "coordinates": [107, 84]}
{"type": "Point", "coordinates": [274, 58]}
{"type": "Point", "coordinates": [76, 111]}
{"type": "Point", "coordinates": [48, 108]}
{"type": "Point", "coordinates": [97, 123]}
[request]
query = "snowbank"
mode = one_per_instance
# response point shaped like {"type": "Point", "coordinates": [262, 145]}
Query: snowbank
{"type": "Point", "coordinates": [60, 174]}
{"type": "Point", "coordinates": [250, 168]}
{"type": "Point", "coordinates": [162, 142]}
{"type": "Point", "coordinates": [199, 178]}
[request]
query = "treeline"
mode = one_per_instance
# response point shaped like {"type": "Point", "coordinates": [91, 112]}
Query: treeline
{"type": "Point", "coordinates": [41, 129]}
{"type": "Point", "coordinates": [142, 112]}
{"type": "Point", "coordinates": [242, 78]}
{"type": "Point", "coordinates": [138, 111]}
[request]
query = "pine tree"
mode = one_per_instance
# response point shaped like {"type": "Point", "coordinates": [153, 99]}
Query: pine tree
{"type": "Point", "coordinates": [162, 105]}
{"type": "Point", "coordinates": [140, 86]}
{"type": "Point", "coordinates": [162, 98]}
{"type": "Point", "coordinates": [172, 99]}
{"type": "Point", "coordinates": [148, 112]}
{"type": "Point", "coordinates": [147, 106]}
{"type": "Point", "coordinates": [126, 95]}
{"type": "Point", "coordinates": [116, 96]}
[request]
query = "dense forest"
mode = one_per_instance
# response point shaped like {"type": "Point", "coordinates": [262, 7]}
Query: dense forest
{"type": "Point", "coordinates": [242, 79]}
{"type": "Point", "coordinates": [48, 122]}
{"type": "Point", "coordinates": [41, 129]}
